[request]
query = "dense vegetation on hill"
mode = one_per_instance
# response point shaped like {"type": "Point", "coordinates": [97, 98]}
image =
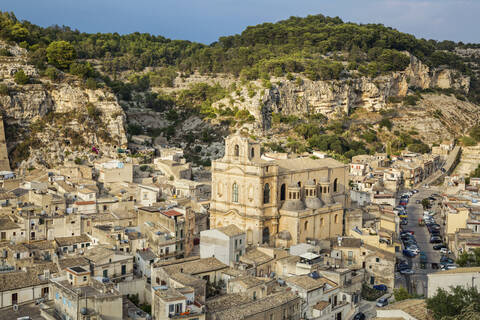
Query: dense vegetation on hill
{"type": "Point", "coordinates": [293, 45]}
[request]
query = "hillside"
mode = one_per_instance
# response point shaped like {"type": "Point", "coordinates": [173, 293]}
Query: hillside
{"type": "Point", "coordinates": [299, 84]}
{"type": "Point", "coordinates": [49, 121]}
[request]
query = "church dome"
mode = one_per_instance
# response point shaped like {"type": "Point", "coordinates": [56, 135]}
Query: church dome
{"type": "Point", "coordinates": [313, 203]}
{"type": "Point", "coordinates": [293, 205]}
{"type": "Point", "coordinates": [324, 179]}
{"type": "Point", "coordinates": [310, 183]}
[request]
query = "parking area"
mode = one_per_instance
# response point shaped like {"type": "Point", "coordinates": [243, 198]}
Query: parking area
{"type": "Point", "coordinates": [421, 257]}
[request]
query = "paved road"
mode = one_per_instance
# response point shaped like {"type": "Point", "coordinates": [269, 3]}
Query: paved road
{"type": "Point", "coordinates": [448, 165]}
{"type": "Point", "coordinates": [417, 283]}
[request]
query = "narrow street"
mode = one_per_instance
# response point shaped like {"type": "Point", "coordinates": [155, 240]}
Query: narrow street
{"type": "Point", "coordinates": [417, 282]}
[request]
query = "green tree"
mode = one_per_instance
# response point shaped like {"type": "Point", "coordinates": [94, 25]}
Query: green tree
{"type": "Point", "coordinates": [450, 304]}
{"type": "Point", "coordinates": [401, 294]}
{"type": "Point", "coordinates": [21, 77]}
{"type": "Point", "coordinates": [4, 90]}
{"type": "Point", "coordinates": [425, 203]}
{"type": "Point", "coordinates": [475, 133]}
{"type": "Point", "coordinates": [52, 73]}
{"type": "Point", "coordinates": [469, 259]}
{"type": "Point", "coordinates": [61, 54]}
{"type": "Point", "coordinates": [91, 84]}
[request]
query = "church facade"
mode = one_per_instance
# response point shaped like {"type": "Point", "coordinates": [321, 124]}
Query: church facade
{"type": "Point", "coordinates": [277, 202]}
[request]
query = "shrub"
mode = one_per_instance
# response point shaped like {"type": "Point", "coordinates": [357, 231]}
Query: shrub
{"type": "Point", "coordinates": [475, 133]}
{"type": "Point", "coordinates": [4, 90]}
{"type": "Point", "coordinates": [386, 123]}
{"type": "Point", "coordinates": [419, 148]}
{"type": "Point", "coordinates": [61, 54]}
{"type": "Point", "coordinates": [411, 100]}
{"type": "Point", "coordinates": [91, 84]}
{"type": "Point", "coordinates": [468, 141]}
{"type": "Point", "coordinates": [21, 78]}
{"type": "Point", "coordinates": [5, 52]}
{"type": "Point", "coordinates": [52, 73]}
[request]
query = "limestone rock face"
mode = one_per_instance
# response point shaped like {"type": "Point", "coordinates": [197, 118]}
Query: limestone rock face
{"type": "Point", "coordinates": [334, 96]}
{"type": "Point", "coordinates": [25, 104]}
{"type": "Point", "coordinates": [330, 97]}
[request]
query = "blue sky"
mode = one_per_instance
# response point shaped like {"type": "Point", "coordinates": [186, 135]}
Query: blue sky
{"type": "Point", "coordinates": [206, 20]}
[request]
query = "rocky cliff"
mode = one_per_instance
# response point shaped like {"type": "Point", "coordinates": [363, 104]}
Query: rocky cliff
{"type": "Point", "coordinates": [60, 119]}
{"type": "Point", "coordinates": [304, 96]}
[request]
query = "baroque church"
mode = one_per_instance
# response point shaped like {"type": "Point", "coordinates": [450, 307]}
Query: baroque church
{"type": "Point", "coordinates": [277, 202]}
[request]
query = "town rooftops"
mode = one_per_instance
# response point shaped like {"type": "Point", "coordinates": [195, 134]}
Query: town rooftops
{"type": "Point", "coordinates": [71, 262]}
{"type": "Point", "coordinates": [169, 294]}
{"type": "Point", "coordinates": [68, 241]}
{"type": "Point", "coordinates": [84, 203]}
{"type": "Point", "coordinates": [231, 230]}
{"type": "Point", "coordinates": [415, 308]}
{"type": "Point", "coordinates": [227, 301]}
{"type": "Point", "coordinates": [308, 283]}
{"type": "Point", "coordinates": [78, 270]}
{"type": "Point", "coordinates": [321, 305]}
{"type": "Point", "coordinates": [172, 213]}
{"type": "Point", "coordinates": [146, 255]}
{"type": "Point", "coordinates": [17, 280]}
{"type": "Point", "coordinates": [255, 256]}
{"type": "Point", "coordinates": [250, 309]}
{"type": "Point", "coordinates": [40, 245]}
{"type": "Point", "coordinates": [248, 281]}
{"type": "Point", "coordinates": [305, 163]}
{"type": "Point", "coordinates": [187, 279]}
{"type": "Point", "coordinates": [197, 266]}
{"type": "Point", "coordinates": [7, 224]}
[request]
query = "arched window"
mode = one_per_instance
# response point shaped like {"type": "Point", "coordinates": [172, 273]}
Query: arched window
{"type": "Point", "coordinates": [266, 193]}
{"type": "Point", "coordinates": [335, 185]}
{"type": "Point", "coordinates": [252, 153]}
{"type": "Point", "coordinates": [321, 221]}
{"type": "Point", "coordinates": [235, 192]}
{"type": "Point", "coordinates": [306, 225]}
{"type": "Point", "coordinates": [265, 235]}
{"type": "Point", "coordinates": [282, 192]}
{"type": "Point", "coordinates": [299, 184]}
{"type": "Point", "coordinates": [237, 150]}
{"type": "Point", "coordinates": [336, 218]}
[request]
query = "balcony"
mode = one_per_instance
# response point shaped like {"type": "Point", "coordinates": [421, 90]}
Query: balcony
{"type": "Point", "coordinates": [193, 311]}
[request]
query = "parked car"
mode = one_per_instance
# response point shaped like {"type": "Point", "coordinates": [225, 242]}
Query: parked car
{"type": "Point", "coordinates": [436, 239]}
{"type": "Point", "coordinates": [404, 222]}
{"type": "Point", "coordinates": [380, 287]}
{"type": "Point", "coordinates": [414, 249]}
{"type": "Point", "coordinates": [382, 302]}
{"type": "Point", "coordinates": [448, 266]}
{"type": "Point", "coordinates": [418, 201]}
{"type": "Point", "coordinates": [359, 316]}
{"type": "Point", "coordinates": [407, 271]}
{"type": "Point", "coordinates": [408, 231]}
{"type": "Point", "coordinates": [402, 266]}
{"type": "Point", "coordinates": [408, 253]}
{"type": "Point", "coordinates": [445, 251]}
{"type": "Point", "coordinates": [446, 260]}
{"type": "Point", "coordinates": [439, 246]}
